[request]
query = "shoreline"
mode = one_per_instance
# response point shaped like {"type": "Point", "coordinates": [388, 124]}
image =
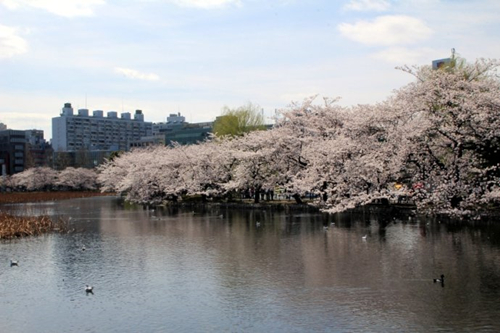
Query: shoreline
{"type": "Point", "coordinates": [6, 198]}
{"type": "Point", "coordinates": [27, 197]}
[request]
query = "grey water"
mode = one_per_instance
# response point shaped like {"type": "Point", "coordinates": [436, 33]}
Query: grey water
{"type": "Point", "coordinates": [248, 270]}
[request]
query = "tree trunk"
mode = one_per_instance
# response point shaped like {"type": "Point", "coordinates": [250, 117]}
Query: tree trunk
{"type": "Point", "coordinates": [257, 195]}
{"type": "Point", "coordinates": [455, 201]}
{"type": "Point", "coordinates": [297, 198]}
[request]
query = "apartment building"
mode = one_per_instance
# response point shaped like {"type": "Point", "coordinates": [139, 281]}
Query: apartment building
{"type": "Point", "coordinates": [12, 151]}
{"type": "Point", "coordinates": [83, 132]}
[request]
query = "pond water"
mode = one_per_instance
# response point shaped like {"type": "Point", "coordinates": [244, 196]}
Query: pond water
{"type": "Point", "coordinates": [234, 270]}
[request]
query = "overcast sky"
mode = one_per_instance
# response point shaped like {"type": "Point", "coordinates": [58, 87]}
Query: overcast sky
{"type": "Point", "coordinates": [196, 56]}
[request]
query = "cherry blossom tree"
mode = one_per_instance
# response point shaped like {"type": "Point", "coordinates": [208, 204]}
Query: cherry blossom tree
{"type": "Point", "coordinates": [45, 178]}
{"type": "Point", "coordinates": [35, 179]}
{"type": "Point", "coordinates": [134, 173]}
{"type": "Point", "coordinates": [455, 139]}
{"type": "Point", "coordinates": [155, 175]}
{"type": "Point", "coordinates": [302, 132]}
{"type": "Point", "coordinates": [347, 155]}
{"type": "Point", "coordinates": [77, 179]}
{"type": "Point", "coordinates": [257, 166]}
{"type": "Point", "coordinates": [208, 167]}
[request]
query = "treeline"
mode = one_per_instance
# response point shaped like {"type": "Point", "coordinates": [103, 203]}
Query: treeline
{"type": "Point", "coordinates": [437, 139]}
{"type": "Point", "coordinates": [48, 179]}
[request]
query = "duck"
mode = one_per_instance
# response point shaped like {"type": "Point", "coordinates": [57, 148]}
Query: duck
{"type": "Point", "coordinates": [89, 289]}
{"type": "Point", "coordinates": [441, 279]}
{"type": "Point", "coordinates": [13, 263]}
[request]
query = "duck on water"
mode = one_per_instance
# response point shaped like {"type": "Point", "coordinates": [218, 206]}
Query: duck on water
{"type": "Point", "coordinates": [441, 279]}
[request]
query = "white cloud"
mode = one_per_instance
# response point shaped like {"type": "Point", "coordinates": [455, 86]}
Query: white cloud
{"type": "Point", "coordinates": [206, 4]}
{"type": "Point", "coordinates": [66, 8]}
{"type": "Point", "coordinates": [10, 43]}
{"type": "Point", "coordinates": [367, 5]}
{"type": "Point", "coordinates": [387, 30]}
{"type": "Point", "coordinates": [133, 74]}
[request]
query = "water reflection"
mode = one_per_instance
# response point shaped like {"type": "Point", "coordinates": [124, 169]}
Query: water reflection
{"type": "Point", "coordinates": [219, 270]}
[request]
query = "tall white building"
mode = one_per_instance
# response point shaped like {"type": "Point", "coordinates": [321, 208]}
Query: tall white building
{"type": "Point", "coordinates": [76, 132]}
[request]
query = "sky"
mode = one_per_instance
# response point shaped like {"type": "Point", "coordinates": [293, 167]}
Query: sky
{"type": "Point", "coordinates": [198, 56]}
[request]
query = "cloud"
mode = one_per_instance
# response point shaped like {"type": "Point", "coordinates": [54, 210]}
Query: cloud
{"type": "Point", "coordinates": [205, 4]}
{"type": "Point", "coordinates": [66, 8]}
{"type": "Point", "coordinates": [387, 30]}
{"type": "Point", "coordinates": [10, 43]}
{"type": "Point", "coordinates": [133, 74]}
{"type": "Point", "coordinates": [367, 5]}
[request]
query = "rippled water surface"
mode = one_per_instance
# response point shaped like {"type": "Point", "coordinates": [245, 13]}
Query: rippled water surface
{"type": "Point", "coordinates": [217, 270]}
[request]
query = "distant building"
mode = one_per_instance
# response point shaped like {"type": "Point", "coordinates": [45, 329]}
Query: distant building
{"type": "Point", "coordinates": [187, 134]}
{"type": "Point", "coordinates": [38, 151]}
{"type": "Point", "coordinates": [436, 64]}
{"type": "Point", "coordinates": [173, 121]}
{"type": "Point", "coordinates": [148, 141]}
{"type": "Point", "coordinates": [71, 133]}
{"type": "Point", "coordinates": [159, 130]}
{"type": "Point", "coordinates": [90, 138]}
{"type": "Point", "coordinates": [176, 129]}
{"type": "Point", "coordinates": [23, 149]}
{"type": "Point", "coordinates": [12, 151]}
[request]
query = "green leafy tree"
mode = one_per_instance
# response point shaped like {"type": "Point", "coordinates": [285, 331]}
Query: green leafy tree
{"type": "Point", "coordinates": [236, 122]}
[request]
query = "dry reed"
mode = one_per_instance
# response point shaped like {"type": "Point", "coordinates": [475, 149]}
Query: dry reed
{"type": "Point", "coordinates": [24, 226]}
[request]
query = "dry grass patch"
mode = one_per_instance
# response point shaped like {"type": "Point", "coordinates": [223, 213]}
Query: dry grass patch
{"type": "Point", "coordinates": [24, 226]}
